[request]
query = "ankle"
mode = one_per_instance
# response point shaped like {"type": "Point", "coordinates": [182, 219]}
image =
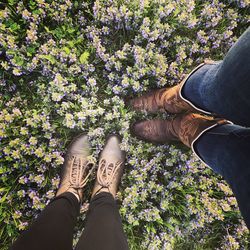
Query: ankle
{"type": "Point", "coordinates": [75, 193]}
{"type": "Point", "coordinates": [103, 190]}
{"type": "Point", "coordinates": [174, 127]}
{"type": "Point", "coordinates": [70, 190]}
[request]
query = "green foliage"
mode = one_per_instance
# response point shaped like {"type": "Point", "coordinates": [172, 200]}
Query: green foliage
{"type": "Point", "coordinates": [70, 66]}
{"type": "Point", "coordinates": [84, 57]}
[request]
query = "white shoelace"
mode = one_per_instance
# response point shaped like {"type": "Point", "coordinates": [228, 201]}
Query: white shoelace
{"type": "Point", "coordinates": [78, 169]}
{"type": "Point", "coordinates": [106, 172]}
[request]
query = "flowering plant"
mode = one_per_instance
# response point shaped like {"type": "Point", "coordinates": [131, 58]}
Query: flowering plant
{"type": "Point", "coordinates": [68, 66]}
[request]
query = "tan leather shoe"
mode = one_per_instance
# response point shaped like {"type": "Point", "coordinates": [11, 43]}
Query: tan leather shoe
{"type": "Point", "coordinates": [184, 127]}
{"type": "Point", "coordinates": [110, 168]}
{"type": "Point", "coordinates": [77, 167]}
{"type": "Point", "coordinates": [167, 99]}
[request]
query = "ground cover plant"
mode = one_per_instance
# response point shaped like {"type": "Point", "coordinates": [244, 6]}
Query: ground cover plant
{"type": "Point", "coordinates": [69, 66]}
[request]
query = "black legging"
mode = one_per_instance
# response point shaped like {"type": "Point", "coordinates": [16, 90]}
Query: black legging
{"type": "Point", "coordinates": [53, 229]}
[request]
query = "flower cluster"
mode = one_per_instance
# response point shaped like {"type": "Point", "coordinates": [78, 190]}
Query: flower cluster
{"type": "Point", "coordinates": [69, 66]}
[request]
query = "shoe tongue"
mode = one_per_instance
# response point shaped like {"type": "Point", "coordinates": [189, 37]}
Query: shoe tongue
{"type": "Point", "coordinates": [78, 157]}
{"type": "Point", "coordinates": [110, 166]}
{"type": "Point", "coordinates": [80, 153]}
{"type": "Point", "coordinates": [109, 160]}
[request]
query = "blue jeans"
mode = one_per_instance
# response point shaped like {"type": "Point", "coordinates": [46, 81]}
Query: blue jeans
{"type": "Point", "coordinates": [224, 89]}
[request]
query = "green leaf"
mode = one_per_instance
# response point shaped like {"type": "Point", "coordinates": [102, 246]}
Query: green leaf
{"type": "Point", "coordinates": [176, 12]}
{"type": "Point", "coordinates": [84, 57]}
{"type": "Point", "coordinates": [14, 27]}
{"type": "Point", "coordinates": [30, 51]}
{"type": "Point", "coordinates": [47, 29]}
{"type": "Point", "coordinates": [37, 12]}
{"type": "Point", "coordinates": [71, 44]}
{"type": "Point", "coordinates": [3, 198]}
{"type": "Point", "coordinates": [135, 223]}
{"type": "Point", "coordinates": [67, 50]}
{"type": "Point", "coordinates": [19, 60]}
{"type": "Point", "coordinates": [59, 32]}
{"type": "Point", "coordinates": [12, 2]}
{"type": "Point", "coordinates": [160, 221]}
{"type": "Point", "coordinates": [168, 225]}
{"type": "Point", "coordinates": [50, 58]}
{"type": "Point", "coordinates": [153, 229]}
{"type": "Point", "coordinates": [10, 230]}
{"type": "Point", "coordinates": [79, 40]}
{"type": "Point", "coordinates": [3, 26]}
{"type": "Point", "coordinates": [32, 5]}
{"type": "Point", "coordinates": [70, 30]}
{"type": "Point", "coordinates": [2, 170]}
{"type": "Point", "coordinates": [76, 4]}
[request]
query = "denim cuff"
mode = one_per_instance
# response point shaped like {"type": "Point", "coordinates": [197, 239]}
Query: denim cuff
{"type": "Point", "coordinates": [195, 141]}
{"type": "Point", "coordinates": [190, 86]}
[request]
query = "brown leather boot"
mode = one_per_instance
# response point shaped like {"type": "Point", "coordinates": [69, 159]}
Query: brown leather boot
{"type": "Point", "coordinates": [185, 128]}
{"type": "Point", "coordinates": [110, 169]}
{"type": "Point", "coordinates": [77, 167]}
{"type": "Point", "coordinates": [167, 99]}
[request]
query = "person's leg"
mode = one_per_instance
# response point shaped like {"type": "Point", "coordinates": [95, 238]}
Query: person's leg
{"type": "Point", "coordinates": [226, 150]}
{"type": "Point", "coordinates": [220, 144]}
{"type": "Point", "coordinates": [103, 228]}
{"type": "Point", "coordinates": [53, 229]}
{"type": "Point", "coordinates": [224, 88]}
